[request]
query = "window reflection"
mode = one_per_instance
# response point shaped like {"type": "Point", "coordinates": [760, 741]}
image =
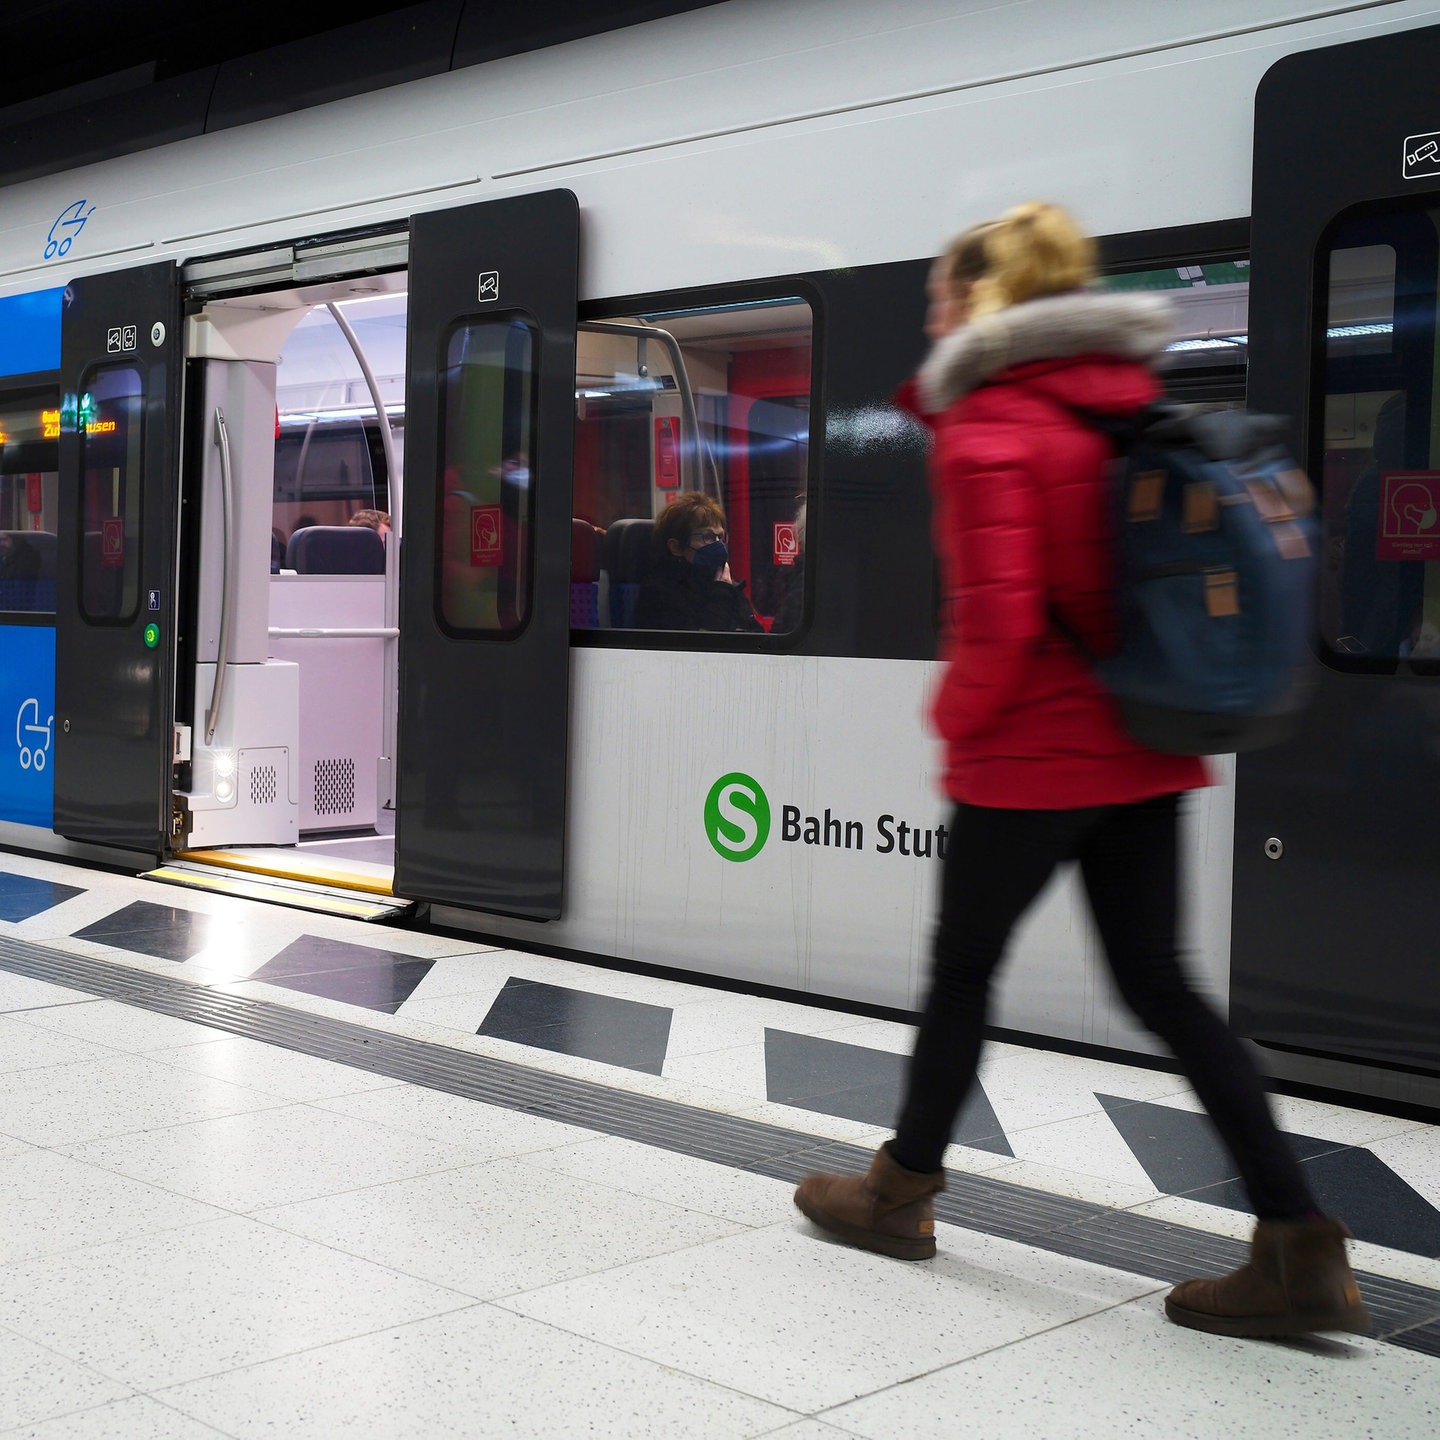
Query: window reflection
{"type": "Point", "coordinates": [109, 416]}
{"type": "Point", "coordinates": [487, 464]}
{"type": "Point", "coordinates": [29, 492]}
{"type": "Point", "coordinates": [1380, 480]}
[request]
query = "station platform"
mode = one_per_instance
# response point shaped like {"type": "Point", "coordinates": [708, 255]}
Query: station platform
{"type": "Point", "coordinates": [269, 1172]}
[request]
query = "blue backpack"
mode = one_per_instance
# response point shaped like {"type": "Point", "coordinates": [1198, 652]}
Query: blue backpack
{"type": "Point", "coordinates": [1218, 554]}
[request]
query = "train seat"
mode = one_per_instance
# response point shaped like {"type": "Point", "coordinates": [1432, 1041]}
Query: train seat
{"type": "Point", "coordinates": [627, 555]}
{"type": "Point", "coordinates": [336, 550]}
{"type": "Point", "coordinates": [33, 588]}
{"type": "Point", "coordinates": [585, 542]}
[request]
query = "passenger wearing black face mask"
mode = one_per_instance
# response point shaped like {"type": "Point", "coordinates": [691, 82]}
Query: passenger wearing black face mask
{"type": "Point", "coordinates": [690, 586]}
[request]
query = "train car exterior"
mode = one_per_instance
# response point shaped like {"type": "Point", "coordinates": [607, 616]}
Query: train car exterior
{"type": "Point", "coordinates": [741, 231]}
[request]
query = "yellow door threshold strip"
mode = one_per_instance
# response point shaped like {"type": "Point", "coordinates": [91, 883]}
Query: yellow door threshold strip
{"type": "Point", "coordinates": [298, 894]}
{"type": "Point", "coordinates": [291, 865]}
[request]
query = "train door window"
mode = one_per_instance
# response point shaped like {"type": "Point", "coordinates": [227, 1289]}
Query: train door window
{"type": "Point", "coordinates": [1380, 473]}
{"type": "Point", "coordinates": [487, 426]}
{"type": "Point", "coordinates": [29, 494]}
{"type": "Point", "coordinates": [109, 417]}
{"type": "Point", "coordinates": [705, 408]}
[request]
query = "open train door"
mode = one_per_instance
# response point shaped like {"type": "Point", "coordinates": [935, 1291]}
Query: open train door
{"type": "Point", "coordinates": [115, 557]}
{"type": "Point", "coordinates": [485, 574]}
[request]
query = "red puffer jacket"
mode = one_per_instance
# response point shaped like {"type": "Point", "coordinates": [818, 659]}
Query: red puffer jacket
{"type": "Point", "coordinates": [1023, 522]}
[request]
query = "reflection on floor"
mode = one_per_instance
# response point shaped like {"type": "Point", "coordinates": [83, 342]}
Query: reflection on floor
{"type": "Point", "coordinates": [206, 1234]}
{"type": "Point", "coordinates": [370, 849]}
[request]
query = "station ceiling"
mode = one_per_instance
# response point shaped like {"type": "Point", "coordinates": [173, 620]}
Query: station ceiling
{"type": "Point", "coordinates": [50, 46]}
{"type": "Point", "coordinates": [87, 80]}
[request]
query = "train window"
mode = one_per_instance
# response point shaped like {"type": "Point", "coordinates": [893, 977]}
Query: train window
{"type": "Point", "coordinates": [1380, 472]}
{"type": "Point", "coordinates": [487, 459]}
{"type": "Point", "coordinates": [696, 421]}
{"type": "Point", "coordinates": [1206, 360]}
{"type": "Point", "coordinates": [29, 492]}
{"type": "Point", "coordinates": [109, 417]}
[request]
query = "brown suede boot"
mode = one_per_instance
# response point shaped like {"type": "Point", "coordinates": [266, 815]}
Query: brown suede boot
{"type": "Point", "coordinates": [888, 1210]}
{"type": "Point", "coordinates": [1298, 1280]}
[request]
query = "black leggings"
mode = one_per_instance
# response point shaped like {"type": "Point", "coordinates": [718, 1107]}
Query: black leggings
{"type": "Point", "coordinates": [996, 864]}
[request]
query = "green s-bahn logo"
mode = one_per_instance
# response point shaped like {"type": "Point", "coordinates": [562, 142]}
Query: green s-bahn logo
{"type": "Point", "coordinates": [737, 817]}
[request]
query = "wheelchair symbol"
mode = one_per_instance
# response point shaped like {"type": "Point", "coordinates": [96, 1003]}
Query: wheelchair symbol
{"type": "Point", "coordinates": [68, 225]}
{"type": "Point", "coordinates": [35, 752]}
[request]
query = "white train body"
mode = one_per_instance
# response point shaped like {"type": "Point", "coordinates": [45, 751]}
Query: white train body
{"type": "Point", "coordinates": [739, 142]}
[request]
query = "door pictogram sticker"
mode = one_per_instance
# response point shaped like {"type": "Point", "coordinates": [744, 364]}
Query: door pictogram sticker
{"type": "Point", "coordinates": [112, 542]}
{"type": "Point", "coordinates": [1409, 516]}
{"type": "Point", "coordinates": [485, 532]}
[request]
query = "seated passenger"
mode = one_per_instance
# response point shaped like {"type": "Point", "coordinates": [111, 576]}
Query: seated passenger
{"type": "Point", "coordinates": [689, 587]}
{"type": "Point", "coordinates": [19, 559]}
{"type": "Point", "coordinates": [377, 520]}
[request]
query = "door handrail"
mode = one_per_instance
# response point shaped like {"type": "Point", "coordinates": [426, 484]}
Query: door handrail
{"type": "Point", "coordinates": [704, 461]}
{"type": "Point", "coordinates": [334, 632]}
{"type": "Point", "coordinates": [396, 499]}
{"type": "Point", "coordinates": [227, 588]}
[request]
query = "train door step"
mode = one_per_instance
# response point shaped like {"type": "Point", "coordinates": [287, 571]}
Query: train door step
{"type": "Point", "coordinates": [353, 897]}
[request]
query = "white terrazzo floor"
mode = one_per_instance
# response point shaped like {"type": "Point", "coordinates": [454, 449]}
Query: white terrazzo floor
{"type": "Point", "coordinates": [203, 1235]}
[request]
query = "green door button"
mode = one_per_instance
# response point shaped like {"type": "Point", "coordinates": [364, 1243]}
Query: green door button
{"type": "Point", "coordinates": [152, 635]}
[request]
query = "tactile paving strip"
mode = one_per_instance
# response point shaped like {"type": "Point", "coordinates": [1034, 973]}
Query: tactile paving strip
{"type": "Point", "coordinates": [1404, 1313]}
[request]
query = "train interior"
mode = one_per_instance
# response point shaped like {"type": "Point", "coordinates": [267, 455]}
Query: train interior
{"type": "Point", "coordinates": [287, 682]}
{"type": "Point", "coordinates": [297, 420]}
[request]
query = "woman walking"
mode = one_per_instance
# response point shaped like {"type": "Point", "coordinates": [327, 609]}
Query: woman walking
{"type": "Point", "coordinates": [1038, 766]}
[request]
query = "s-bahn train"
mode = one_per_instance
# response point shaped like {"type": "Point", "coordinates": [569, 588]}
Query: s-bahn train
{"type": "Point", "coordinates": [522, 306]}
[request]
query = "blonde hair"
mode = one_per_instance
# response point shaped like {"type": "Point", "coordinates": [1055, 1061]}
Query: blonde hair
{"type": "Point", "coordinates": [1032, 250]}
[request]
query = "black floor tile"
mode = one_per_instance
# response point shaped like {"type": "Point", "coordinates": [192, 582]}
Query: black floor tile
{"type": "Point", "coordinates": [1364, 1192]}
{"type": "Point", "coordinates": [1180, 1149]}
{"type": "Point", "coordinates": [22, 896]}
{"type": "Point", "coordinates": [1182, 1155]}
{"type": "Point", "coordinates": [854, 1082]}
{"type": "Point", "coordinates": [626, 1033]}
{"type": "Point", "coordinates": [165, 931]}
{"type": "Point", "coordinates": [310, 954]}
{"type": "Point", "coordinates": [354, 974]}
{"type": "Point", "coordinates": [381, 987]}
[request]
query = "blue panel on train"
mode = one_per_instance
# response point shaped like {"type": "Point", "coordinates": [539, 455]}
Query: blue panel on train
{"type": "Point", "coordinates": [27, 724]}
{"type": "Point", "coordinates": [30, 332]}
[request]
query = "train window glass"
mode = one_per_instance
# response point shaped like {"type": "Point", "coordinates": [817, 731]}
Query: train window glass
{"type": "Point", "coordinates": [1206, 360]}
{"type": "Point", "coordinates": [1361, 309]}
{"type": "Point", "coordinates": [109, 417]}
{"type": "Point", "coordinates": [486, 462]}
{"type": "Point", "coordinates": [1380, 471]}
{"type": "Point", "coordinates": [29, 493]}
{"type": "Point", "coordinates": [699, 414]}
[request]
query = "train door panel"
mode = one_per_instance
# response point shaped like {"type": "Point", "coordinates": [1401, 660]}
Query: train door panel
{"type": "Point", "coordinates": [115, 557]}
{"type": "Point", "coordinates": [485, 584]}
{"type": "Point", "coordinates": [1337, 848]}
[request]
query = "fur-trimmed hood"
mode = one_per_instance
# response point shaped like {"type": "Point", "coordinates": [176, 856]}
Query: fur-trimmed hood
{"type": "Point", "coordinates": [1057, 327]}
